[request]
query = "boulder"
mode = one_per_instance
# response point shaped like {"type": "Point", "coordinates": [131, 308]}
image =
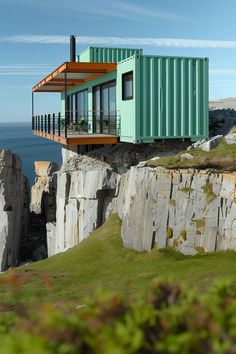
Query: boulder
{"type": "Point", "coordinates": [45, 168]}
{"type": "Point", "coordinates": [211, 144]}
{"type": "Point", "coordinates": [230, 139]}
{"type": "Point", "coordinates": [186, 156]}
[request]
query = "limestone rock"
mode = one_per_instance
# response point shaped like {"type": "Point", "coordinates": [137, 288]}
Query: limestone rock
{"type": "Point", "coordinates": [191, 211]}
{"type": "Point", "coordinates": [13, 208]}
{"type": "Point", "coordinates": [45, 168]}
{"type": "Point", "coordinates": [186, 156]}
{"type": "Point", "coordinates": [196, 144]}
{"type": "Point", "coordinates": [43, 192]}
{"type": "Point", "coordinates": [211, 144]}
{"type": "Point", "coordinates": [85, 189]}
{"type": "Point", "coordinates": [230, 139]}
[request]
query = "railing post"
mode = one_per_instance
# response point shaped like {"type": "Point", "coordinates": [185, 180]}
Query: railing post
{"type": "Point", "coordinates": [49, 123]}
{"type": "Point", "coordinates": [45, 123]}
{"type": "Point", "coordinates": [41, 123]}
{"type": "Point", "coordinates": [32, 122]}
{"type": "Point", "coordinates": [66, 120]}
{"type": "Point", "coordinates": [53, 123]}
{"type": "Point", "coordinates": [59, 124]}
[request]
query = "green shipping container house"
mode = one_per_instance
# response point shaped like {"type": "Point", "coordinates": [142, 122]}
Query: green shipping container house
{"type": "Point", "coordinates": [111, 95]}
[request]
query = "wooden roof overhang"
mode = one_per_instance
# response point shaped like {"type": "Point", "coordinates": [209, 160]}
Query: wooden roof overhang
{"type": "Point", "coordinates": [71, 74]}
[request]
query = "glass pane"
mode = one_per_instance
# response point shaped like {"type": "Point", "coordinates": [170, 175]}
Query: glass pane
{"type": "Point", "coordinates": [96, 109]}
{"type": "Point", "coordinates": [73, 107]}
{"type": "Point", "coordinates": [128, 86]}
{"type": "Point", "coordinates": [105, 101]}
{"type": "Point", "coordinates": [80, 104]}
{"type": "Point", "coordinates": [112, 100]}
{"type": "Point", "coordinates": [86, 103]}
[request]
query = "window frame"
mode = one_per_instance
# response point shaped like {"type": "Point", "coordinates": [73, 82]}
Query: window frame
{"type": "Point", "coordinates": [124, 75]}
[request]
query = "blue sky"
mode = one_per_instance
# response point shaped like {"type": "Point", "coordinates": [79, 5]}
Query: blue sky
{"type": "Point", "coordinates": [34, 40]}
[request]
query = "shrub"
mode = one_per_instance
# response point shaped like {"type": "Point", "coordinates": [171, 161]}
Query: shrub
{"type": "Point", "coordinates": [169, 320]}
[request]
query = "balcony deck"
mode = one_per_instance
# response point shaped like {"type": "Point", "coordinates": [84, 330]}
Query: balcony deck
{"type": "Point", "coordinates": [79, 139]}
{"type": "Point", "coordinates": [85, 130]}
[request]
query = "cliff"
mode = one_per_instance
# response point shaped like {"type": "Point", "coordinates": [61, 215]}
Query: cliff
{"type": "Point", "coordinates": [192, 211]}
{"type": "Point", "coordinates": [13, 208]}
{"type": "Point", "coordinates": [84, 189]}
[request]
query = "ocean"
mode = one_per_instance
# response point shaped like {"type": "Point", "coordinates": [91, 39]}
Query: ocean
{"type": "Point", "coordinates": [19, 139]}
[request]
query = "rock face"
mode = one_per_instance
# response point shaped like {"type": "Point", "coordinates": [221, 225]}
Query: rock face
{"type": "Point", "coordinates": [85, 188]}
{"type": "Point", "coordinates": [43, 210]}
{"type": "Point", "coordinates": [44, 190]}
{"type": "Point", "coordinates": [191, 211]}
{"type": "Point", "coordinates": [211, 143]}
{"type": "Point", "coordinates": [230, 139]}
{"type": "Point", "coordinates": [14, 212]}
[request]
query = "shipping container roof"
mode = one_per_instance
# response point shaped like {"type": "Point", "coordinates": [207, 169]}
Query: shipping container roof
{"type": "Point", "coordinates": [71, 74]}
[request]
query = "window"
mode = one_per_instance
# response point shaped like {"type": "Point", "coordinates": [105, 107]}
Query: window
{"type": "Point", "coordinates": [82, 103]}
{"type": "Point", "coordinates": [127, 86]}
{"type": "Point", "coordinates": [77, 104]}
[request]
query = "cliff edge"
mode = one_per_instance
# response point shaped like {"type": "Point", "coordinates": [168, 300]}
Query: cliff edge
{"type": "Point", "coordinates": [13, 208]}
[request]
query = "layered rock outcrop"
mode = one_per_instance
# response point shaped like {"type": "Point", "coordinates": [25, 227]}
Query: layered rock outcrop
{"type": "Point", "coordinates": [42, 211]}
{"type": "Point", "coordinates": [14, 208]}
{"type": "Point", "coordinates": [84, 188]}
{"type": "Point", "coordinates": [191, 211]}
{"type": "Point", "coordinates": [43, 192]}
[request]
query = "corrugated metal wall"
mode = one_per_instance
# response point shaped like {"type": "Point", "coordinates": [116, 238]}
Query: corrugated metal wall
{"type": "Point", "coordinates": [172, 98]}
{"type": "Point", "coordinates": [112, 55]}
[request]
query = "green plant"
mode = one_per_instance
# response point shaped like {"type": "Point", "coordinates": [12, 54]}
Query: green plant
{"type": "Point", "coordinates": [221, 158]}
{"type": "Point", "coordinates": [175, 243]}
{"type": "Point", "coordinates": [172, 202]}
{"type": "Point", "coordinates": [183, 235]}
{"type": "Point", "coordinates": [200, 250]}
{"type": "Point", "coordinates": [186, 190]}
{"type": "Point", "coordinates": [170, 319]}
{"type": "Point", "coordinates": [208, 191]}
{"type": "Point", "coordinates": [169, 232]}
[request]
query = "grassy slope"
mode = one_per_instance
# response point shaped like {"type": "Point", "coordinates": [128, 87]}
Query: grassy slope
{"type": "Point", "coordinates": [102, 262]}
{"type": "Point", "coordinates": [223, 157]}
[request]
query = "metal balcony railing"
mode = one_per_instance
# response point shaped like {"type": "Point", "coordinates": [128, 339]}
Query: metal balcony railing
{"type": "Point", "coordinates": [75, 123]}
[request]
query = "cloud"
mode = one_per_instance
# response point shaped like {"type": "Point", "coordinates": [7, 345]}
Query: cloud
{"type": "Point", "coordinates": [113, 8]}
{"type": "Point", "coordinates": [116, 41]}
{"type": "Point", "coordinates": [24, 69]}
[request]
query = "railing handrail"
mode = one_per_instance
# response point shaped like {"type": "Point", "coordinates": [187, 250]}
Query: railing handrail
{"type": "Point", "coordinates": [91, 110]}
{"type": "Point", "coordinates": [59, 124]}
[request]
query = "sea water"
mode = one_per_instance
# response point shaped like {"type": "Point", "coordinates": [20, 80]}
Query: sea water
{"type": "Point", "coordinates": [19, 139]}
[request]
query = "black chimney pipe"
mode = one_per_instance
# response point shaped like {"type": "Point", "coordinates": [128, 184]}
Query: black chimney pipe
{"type": "Point", "coordinates": [72, 48]}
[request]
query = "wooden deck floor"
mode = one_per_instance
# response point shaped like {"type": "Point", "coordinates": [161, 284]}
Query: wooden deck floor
{"type": "Point", "coordinates": [74, 138]}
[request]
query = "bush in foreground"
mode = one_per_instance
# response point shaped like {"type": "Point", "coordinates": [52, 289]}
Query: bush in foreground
{"type": "Point", "coordinates": [169, 320]}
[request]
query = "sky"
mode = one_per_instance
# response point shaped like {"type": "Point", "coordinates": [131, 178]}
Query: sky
{"type": "Point", "coordinates": [34, 39]}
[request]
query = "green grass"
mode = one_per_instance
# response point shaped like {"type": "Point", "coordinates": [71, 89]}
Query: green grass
{"type": "Point", "coordinates": [223, 157]}
{"type": "Point", "coordinates": [101, 261]}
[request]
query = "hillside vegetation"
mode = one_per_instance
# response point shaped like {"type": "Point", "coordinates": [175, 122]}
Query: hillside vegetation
{"type": "Point", "coordinates": [101, 261]}
{"type": "Point", "coordinates": [222, 158]}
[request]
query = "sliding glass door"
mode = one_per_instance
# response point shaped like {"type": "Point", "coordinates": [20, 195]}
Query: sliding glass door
{"type": "Point", "coordinates": [78, 107]}
{"type": "Point", "coordinates": [104, 108]}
